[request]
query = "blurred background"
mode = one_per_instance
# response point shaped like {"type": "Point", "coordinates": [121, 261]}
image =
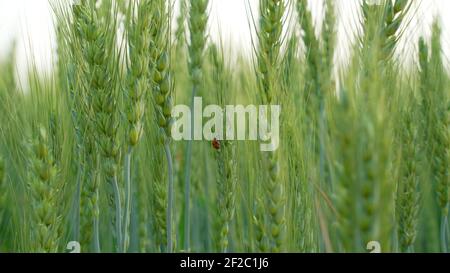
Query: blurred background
{"type": "Point", "coordinates": [29, 23]}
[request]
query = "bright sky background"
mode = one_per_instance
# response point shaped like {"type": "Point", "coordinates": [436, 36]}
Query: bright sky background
{"type": "Point", "coordinates": [29, 22]}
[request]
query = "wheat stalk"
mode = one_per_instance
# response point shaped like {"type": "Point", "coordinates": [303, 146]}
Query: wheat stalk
{"type": "Point", "coordinates": [2, 170]}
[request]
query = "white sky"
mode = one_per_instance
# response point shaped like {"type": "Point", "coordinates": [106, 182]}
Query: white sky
{"type": "Point", "coordinates": [29, 22]}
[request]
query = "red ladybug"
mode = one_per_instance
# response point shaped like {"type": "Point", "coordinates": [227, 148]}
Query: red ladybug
{"type": "Point", "coordinates": [216, 144]}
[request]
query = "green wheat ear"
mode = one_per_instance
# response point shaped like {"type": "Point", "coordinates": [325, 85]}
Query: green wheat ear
{"type": "Point", "coordinates": [435, 122]}
{"type": "Point", "coordinates": [407, 203]}
{"type": "Point", "coordinates": [162, 98]}
{"type": "Point", "coordinates": [329, 34]}
{"type": "Point", "coordinates": [225, 156]}
{"type": "Point", "coordinates": [395, 14]}
{"type": "Point", "coordinates": [154, 135]}
{"type": "Point", "coordinates": [95, 56]}
{"type": "Point", "coordinates": [44, 190]}
{"type": "Point", "coordinates": [440, 118]}
{"type": "Point", "coordinates": [268, 65]}
{"type": "Point", "coordinates": [180, 32]}
{"type": "Point", "coordinates": [383, 22]}
{"type": "Point", "coordinates": [138, 83]}
{"type": "Point", "coordinates": [197, 21]}
{"type": "Point", "coordinates": [139, 35]}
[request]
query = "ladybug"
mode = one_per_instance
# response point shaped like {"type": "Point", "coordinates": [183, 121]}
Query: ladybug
{"type": "Point", "coordinates": [216, 144]}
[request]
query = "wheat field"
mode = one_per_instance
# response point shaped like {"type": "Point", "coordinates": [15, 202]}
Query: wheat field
{"type": "Point", "coordinates": [89, 161]}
